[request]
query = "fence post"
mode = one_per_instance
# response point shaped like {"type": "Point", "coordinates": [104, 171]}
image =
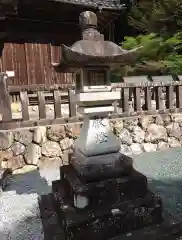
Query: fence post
{"type": "Point", "coordinates": [72, 104]}
{"type": "Point", "coordinates": [5, 103]}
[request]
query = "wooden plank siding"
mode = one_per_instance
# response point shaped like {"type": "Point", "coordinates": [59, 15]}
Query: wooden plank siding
{"type": "Point", "coordinates": [31, 63]}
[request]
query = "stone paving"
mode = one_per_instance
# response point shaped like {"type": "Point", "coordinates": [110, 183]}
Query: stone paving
{"type": "Point", "coordinates": [19, 210]}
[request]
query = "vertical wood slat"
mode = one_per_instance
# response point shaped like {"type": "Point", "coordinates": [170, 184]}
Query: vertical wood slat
{"type": "Point", "coordinates": [148, 103]}
{"type": "Point", "coordinates": [125, 99]}
{"type": "Point", "coordinates": [24, 105]}
{"type": "Point", "coordinates": [169, 97]}
{"type": "Point", "coordinates": [72, 104]}
{"type": "Point", "coordinates": [159, 103]}
{"type": "Point", "coordinates": [5, 100]}
{"type": "Point", "coordinates": [41, 102]}
{"type": "Point", "coordinates": [179, 97]}
{"type": "Point", "coordinates": [137, 99]}
{"type": "Point", "coordinates": [57, 104]}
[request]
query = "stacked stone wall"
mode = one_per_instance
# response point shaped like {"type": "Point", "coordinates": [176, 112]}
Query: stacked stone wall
{"type": "Point", "coordinates": [49, 146]}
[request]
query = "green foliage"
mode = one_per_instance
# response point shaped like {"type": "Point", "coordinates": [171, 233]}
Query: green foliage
{"type": "Point", "coordinates": [159, 55]}
{"type": "Point", "coordinates": [159, 16]}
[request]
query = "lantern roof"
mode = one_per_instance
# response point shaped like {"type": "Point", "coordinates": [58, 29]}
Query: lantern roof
{"type": "Point", "coordinates": [93, 49]}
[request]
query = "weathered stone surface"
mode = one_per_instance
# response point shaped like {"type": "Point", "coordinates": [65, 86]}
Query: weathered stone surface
{"type": "Point", "coordinates": [173, 142]}
{"type": "Point", "coordinates": [25, 169]}
{"type": "Point", "coordinates": [125, 149]}
{"type": "Point", "coordinates": [136, 148]}
{"type": "Point", "coordinates": [46, 162]}
{"type": "Point", "coordinates": [174, 130]}
{"type": "Point", "coordinates": [6, 139]}
{"type": "Point", "coordinates": [162, 146]}
{"type": "Point", "coordinates": [130, 124]}
{"type": "Point", "coordinates": [17, 148]}
{"type": "Point", "coordinates": [51, 149]}
{"type": "Point", "coordinates": [39, 135]}
{"type": "Point", "coordinates": [159, 120]}
{"type": "Point", "coordinates": [118, 126]}
{"type": "Point", "coordinates": [145, 121]}
{"type": "Point", "coordinates": [24, 136]}
{"type": "Point", "coordinates": [66, 143]}
{"type": "Point", "coordinates": [125, 137]}
{"type": "Point", "coordinates": [5, 155]}
{"type": "Point", "coordinates": [155, 133]}
{"type": "Point", "coordinates": [56, 133]}
{"type": "Point", "coordinates": [32, 153]}
{"type": "Point", "coordinates": [138, 135]}
{"type": "Point", "coordinates": [149, 147]}
{"type": "Point", "coordinates": [15, 162]}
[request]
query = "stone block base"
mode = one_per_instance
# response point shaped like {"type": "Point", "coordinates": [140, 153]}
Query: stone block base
{"type": "Point", "coordinates": [113, 190]}
{"type": "Point", "coordinates": [104, 222]}
{"type": "Point", "coordinates": [169, 229]}
{"type": "Point", "coordinates": [99, 167]}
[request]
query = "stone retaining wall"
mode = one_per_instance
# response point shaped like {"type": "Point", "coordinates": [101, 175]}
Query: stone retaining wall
{"type": "Point", "coordinates": [46, 146]}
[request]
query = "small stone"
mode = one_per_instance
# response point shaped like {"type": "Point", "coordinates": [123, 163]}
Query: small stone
{"type": "Point", "coordinates": [15, 162]}
{"type": "Point", "coordinates": [125, 149]}
{"type": "Point", "coordinates": [66, 143]}
{"type": "Point", "coordinates": [4, 178]}
{"type": "Point", "coordinates": [51, 149]}
{"type": "Point", "coordinates": [176, 117]}
{"type": "Point", "coordinates": [155, 133]}
{"type": "Point", "coordinates": [24, 136]}
{"type": "Point", "coordinates": [5, 155]}
{"type": "Point", "coordinates": [145, 121]}
{"type": "Point", "coordinates": [25, 169]}
{"type": "Point", "coordinates": [162, 146]}
{"type": "Point", "coordinates": [159, 120]}
{"type": "Point", "coordinates": [166, 119]}
{"type": "Point", "coordinates": [149, 147]}
{"type": "Point", "coordinates": [65, 157]}
{"type": "Point", "coordinates": [174, 130]}
{"type": "Point", "coordinates": [46, 162]}
{"type": "Point", "coordinates": [130, 124]}
{"type": "Point", "coordinates": [138, 135]}
{"type": "Point", "coordinates": [17, 148]}
{"type": "Point", "coordinates": [173, 142]}
{"type": "Point", "coordinates": [32, 153]}
{"type": "Point", "coordinates": [73, 130]}
{"type": "Point", "coordinates": [6, 140]}
{"type": "Point", "coordinates": [125, 137]}
{"type": "Point", "coordinates": [39, 135]}
{"type": "Point", "coordinates": [136, 148]}
{"type": "Point", "coordinates": [118, 126]}
{"type": "Point", "coordinates": [56, 133]}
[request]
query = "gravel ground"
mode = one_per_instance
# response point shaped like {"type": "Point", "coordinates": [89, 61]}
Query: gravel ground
{"type": "Point", "coordinates": [19, 209]}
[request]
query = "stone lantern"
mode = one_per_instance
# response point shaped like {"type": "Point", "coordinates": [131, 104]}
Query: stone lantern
{"type": "Point", "coordinates": [99, 194]}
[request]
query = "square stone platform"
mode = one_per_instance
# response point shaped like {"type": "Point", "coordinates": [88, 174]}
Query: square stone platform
{"type": "Point", "coordinates": [169, 229]}
{"type": "Point", "coordinates": [104, 221]}
{"type": "Point", "coordinates": [96, 168]}
{"type": "Point", "coordinates": [112, 190]}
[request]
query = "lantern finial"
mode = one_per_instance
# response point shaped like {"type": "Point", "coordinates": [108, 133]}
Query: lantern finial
{"type": "Point", "coordinates": [88, 19]}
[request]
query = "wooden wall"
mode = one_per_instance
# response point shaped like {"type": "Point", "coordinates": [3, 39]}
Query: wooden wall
{"type": "Point", "coordinates": [31, 63]}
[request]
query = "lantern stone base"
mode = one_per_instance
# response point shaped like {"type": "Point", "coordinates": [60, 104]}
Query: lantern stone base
{"type": "Point", "coordinates": [102, 166]}
{"type": "Point", "coordinates": [116, 205]}
{"type": "Point", "coordinates": [106, 220]}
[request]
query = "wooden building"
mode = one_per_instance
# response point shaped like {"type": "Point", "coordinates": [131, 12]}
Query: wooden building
{"type": "Point", "coordinates": [31, 32]}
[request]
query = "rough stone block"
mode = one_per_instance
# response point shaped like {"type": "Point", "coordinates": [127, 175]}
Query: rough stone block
{"type": "Point", "coordinates": [107, 221]}
{"type": "Point", "coordinates": [101, 166]}
{"type": "Point", "coordinates": [114, 190]}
